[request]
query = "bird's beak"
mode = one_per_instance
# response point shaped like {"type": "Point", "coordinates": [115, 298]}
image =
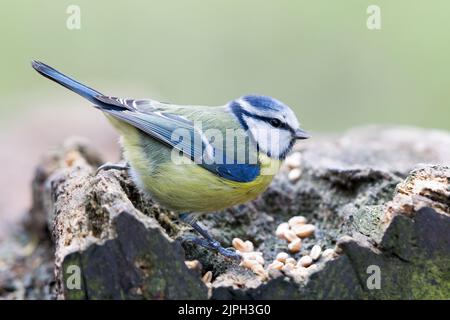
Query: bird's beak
{"type": "Point", "coordinates": [301, 134]}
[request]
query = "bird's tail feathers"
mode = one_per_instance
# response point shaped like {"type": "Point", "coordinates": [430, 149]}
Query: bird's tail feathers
{"type": "Point", "coordinates": [66, 81]}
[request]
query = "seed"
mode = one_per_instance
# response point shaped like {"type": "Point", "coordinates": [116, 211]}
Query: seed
{"type": "Point", "coordinates": [290, 235]}
{"type": "Point", "coordinates": [305, 261]}
{"type": "Point", "coordinates": [259, 270]}
{"type": "Point", "coordinates": [328, 253]}
{"type": "Point", "coordinates": [207, 277]}
{"type": "Point", "coordinates": [282, 256]}
{"type": "Point", "coordinates": [193, 264]}
{"type": "Point", "coordinates": [295, 246]}
{"type": "Point", "coordinates": [312, 268]}
{"type": "Point", "coordinates": [294, 160]}
{"type": "Point", "coordinates": [249, 263]}
{"type": "Point", "coordinates": [287, 268]}
{"type": "Point", "coordinates": [255, 256]}
{"type": "Point", "coordinates": [294, 174]}
{"type": "Point", "coordinates": [242, 246]}
{"type": "Point", "coordinates": [277, 265]}
{"type": "Point", "coordinates": [304, 231]}
{"type": "Point", "coordinates": [315, 252]}
{"type": "Point", "coordinates": [249, 245]}
{"type": "Point", "coordinates": [281, 229]}
{"type": "Point", "coordinates": [291, 261]}
{"type": "Point", "coordinates": [238, 244]}
{"type": "Point", "coordinates": [297, 220]}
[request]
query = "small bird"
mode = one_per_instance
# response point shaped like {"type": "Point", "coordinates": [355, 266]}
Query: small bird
{"type": "Point", "coordinates": [196, 159]}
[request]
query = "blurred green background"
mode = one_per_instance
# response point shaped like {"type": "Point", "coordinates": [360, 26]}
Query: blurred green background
{"type": "Point", "coordinates": [317, 56]}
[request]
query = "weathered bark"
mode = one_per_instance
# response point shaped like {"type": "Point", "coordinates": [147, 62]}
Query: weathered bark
{"type": "Point", "coordinates": [358, 189]}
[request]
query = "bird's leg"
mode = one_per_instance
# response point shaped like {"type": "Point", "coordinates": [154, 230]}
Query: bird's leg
{"type": "Point", "coordinates": [207, 241]}
{"type": "Point", "coordinates": [116, 166]}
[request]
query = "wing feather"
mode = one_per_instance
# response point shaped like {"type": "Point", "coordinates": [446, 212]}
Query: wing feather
{"type": "Point", "coordinates": [163, 126]}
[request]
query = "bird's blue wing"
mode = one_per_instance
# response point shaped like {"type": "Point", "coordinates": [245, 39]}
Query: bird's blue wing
{"type": "Point", "coordinates": [149, 117]}
{"type": "Point", "coordinates": [180, 133]}
{"type": "Point", "coordinates": [235, 172]}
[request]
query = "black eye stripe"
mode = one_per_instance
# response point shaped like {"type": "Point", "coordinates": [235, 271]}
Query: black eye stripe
{"type": "Point", "coordinates": [239, 112]}
{"type": "Point", "coordinates": [276, 123]}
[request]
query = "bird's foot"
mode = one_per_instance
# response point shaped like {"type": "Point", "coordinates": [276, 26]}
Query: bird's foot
{"type": "Point", "coordinates": [229, 253]}
{"type": "Point", "coordinates": [207, 241]}
{"type": "Point", "coordinates": [213, 245]}
{"type": "Point", "coordinates": [109, 166]}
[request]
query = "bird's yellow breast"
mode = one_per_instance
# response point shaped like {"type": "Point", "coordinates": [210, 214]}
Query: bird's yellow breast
{"type": "Point", "coordinates": [188, 187]}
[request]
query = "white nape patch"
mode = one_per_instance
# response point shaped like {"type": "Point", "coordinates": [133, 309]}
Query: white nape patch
{"type": "Point", "coordinates": [270, 140]}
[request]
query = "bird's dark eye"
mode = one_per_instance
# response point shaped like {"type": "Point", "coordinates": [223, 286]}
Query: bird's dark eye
{"type": "Point", "coordinates": [275, 123]}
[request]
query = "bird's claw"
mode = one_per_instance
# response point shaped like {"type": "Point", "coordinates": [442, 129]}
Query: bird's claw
{"type": "Point", "coordinates": [229, 253]}
{"type": "Point", "coordinates": [214, 245]}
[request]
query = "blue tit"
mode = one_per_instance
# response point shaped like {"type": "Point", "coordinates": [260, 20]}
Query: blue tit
{"type": "Point", "coordinates": [208, 176]}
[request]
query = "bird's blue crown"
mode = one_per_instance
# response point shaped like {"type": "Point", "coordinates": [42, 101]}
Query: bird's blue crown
{"type": "Point", "coordinates": [264, 102]}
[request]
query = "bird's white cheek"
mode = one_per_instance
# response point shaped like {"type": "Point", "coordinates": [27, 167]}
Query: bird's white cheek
{"type": "Point", "coordinates": [259, 131]}
{"type": "Point", "coordinates": [270, 140]}
{"type": "Point", "coordinates": [279, 142]}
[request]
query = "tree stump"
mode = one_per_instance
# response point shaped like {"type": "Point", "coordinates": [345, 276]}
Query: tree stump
{"type": "Point", "coordinates": [379, 196]}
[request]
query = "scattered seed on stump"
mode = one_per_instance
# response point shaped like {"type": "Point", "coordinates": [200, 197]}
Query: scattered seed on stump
{"type": "Point", "coordinates": [282, 256]}
{"type": "Point", "coordinates": [242, 246]}
{"type": "Point", "coordinates": [315, 252]}
{"type": "Point", "coordinates": [305, 261]}
{"type": "Point", "coordinates": [277, 265]}
{"type": "Point", "coordinates": [304, 231]}
{"type": "Point", "coordinates": [281, 230]}
{"type": "Point", "coordinates": [295, 246]}
{"type": "Point", "coordinates": [297, 220]}
{"type": "Point", "coordinates": [290, 235]}
{"type": "Point", "coordinates": [294, 175]}
{"type": "Point", "coordinates": [294, 160]}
